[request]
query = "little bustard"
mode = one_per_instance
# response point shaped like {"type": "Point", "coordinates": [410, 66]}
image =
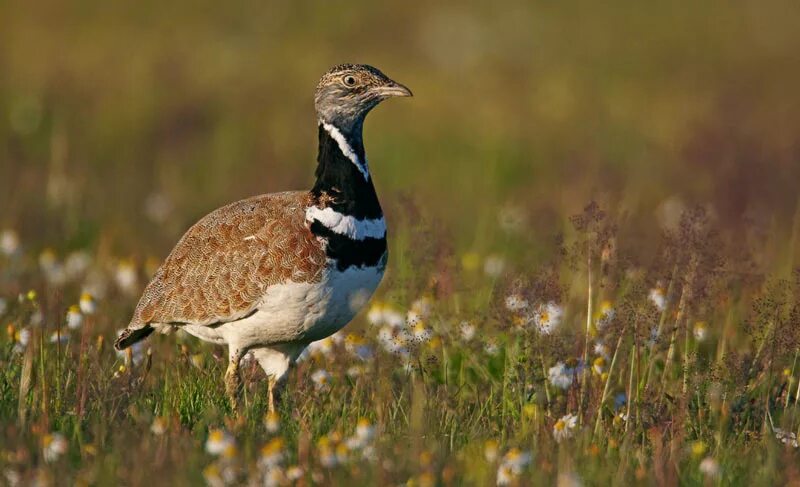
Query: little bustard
{"type": "Point", "coordinates": [272, 273]}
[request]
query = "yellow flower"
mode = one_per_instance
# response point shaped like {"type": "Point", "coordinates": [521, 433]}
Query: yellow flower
{"type": "Point", "coordinates": [698, 448]}
{"type": "Point", "coordinates": [599, 365]}
{"type": "Point", "coordinates": [470, 261]}
{"type": "Point", "coordinates": [425, 458]}
{"type": "Point", "coordinates": [426, 479]}
{"type": "Point", "coordinates": [490, 450]}
{"type": "Point", "coordinates": [272, 422]}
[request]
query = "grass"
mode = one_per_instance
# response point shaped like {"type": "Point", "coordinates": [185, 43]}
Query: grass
{"type": "Point", "coordinates": [599, 227]}
{"type": "Point", "coordinates": [687, 364]}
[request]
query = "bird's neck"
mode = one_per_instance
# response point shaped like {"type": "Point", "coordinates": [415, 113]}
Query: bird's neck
{"type": "Point", "coordinates": [343, 179]}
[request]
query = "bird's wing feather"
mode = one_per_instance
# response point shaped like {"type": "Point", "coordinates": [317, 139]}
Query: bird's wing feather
{"type": "Point", "coordinates": [222, 265]}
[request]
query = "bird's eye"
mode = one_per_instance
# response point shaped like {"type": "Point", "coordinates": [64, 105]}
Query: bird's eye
{"type": "Point", "coordinates": [349, 80]}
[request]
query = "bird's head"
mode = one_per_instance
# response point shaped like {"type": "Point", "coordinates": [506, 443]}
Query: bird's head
{"type": "Point", "coordinates": [347, 92]}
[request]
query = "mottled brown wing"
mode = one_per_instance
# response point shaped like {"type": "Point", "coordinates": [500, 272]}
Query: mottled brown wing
{"type": "Point", "coordinates": [223, 264]}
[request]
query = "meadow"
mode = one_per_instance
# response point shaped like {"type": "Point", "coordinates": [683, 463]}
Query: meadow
{"type": "Point", "coordinates": [593, 211]}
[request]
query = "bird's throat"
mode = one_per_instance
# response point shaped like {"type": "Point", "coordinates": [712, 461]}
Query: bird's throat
{"type": "Point", "coordinates": [343, 177]}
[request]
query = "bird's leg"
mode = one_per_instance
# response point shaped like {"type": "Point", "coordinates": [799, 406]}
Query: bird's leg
{"type": "Point", "coordinates": [272, 385]}
{"type": "Point", "coordinates": [233, 381]}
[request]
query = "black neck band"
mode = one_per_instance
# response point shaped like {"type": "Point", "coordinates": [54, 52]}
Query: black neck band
{"type": "Point", "coordinates": [340, 179]}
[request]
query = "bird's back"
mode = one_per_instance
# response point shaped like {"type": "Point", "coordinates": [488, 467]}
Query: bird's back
{"type": "Point", "coordinates": [222, 265]}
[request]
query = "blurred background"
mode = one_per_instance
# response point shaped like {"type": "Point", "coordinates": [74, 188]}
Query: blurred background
{"type": "Point", "coordinates": [121, 124]}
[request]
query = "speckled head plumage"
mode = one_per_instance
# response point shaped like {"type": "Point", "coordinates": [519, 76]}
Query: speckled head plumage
{"type": "Point", "coordinates": [347, 92]}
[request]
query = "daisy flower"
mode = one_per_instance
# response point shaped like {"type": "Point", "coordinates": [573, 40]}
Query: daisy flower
{"type": "Point", "coordinates": [565, 427]}
{"type": "Point", "coordinates": [560, 376]}
{"type": "Point", "coordinates": [516, 302]}
{"type": "Point", "coordinates": [77, 263]}
{"type": "Point", "coordinates": [272, 454]}
{"type": "Point", "coordinates": [321, 379]}
{"type": "Point", "coordinates": [375, 314]}
{"type": "Point", "coordinates": [709, 467]}
{"type": "Point", "coordinates": [159, 426]}
{"type": "Point", "coordinates": [700, 331]}
{"type": "Point", "coordinates": [494, 265]}
{"type": "Point", "coordinates": [512, 465]}
{"type": "Point", "coordinates": [658, 298]}
{"type": "Point", "coordinates": [9, 242]}
{"type": "Point", "coordinates": [272, 422]}
{"type": "Point", "coordinates": [74, 317]}
{"type": "Point", "coordinates": [605, 315]}
{"type": "Point", "coordinates": [467, 331]}
{"type": "Point", "coordinates": [125, 276]}
{"type": "Point", "coordinates": [358, 346]}
{"type": "Point", "coordinates": [326, 452]}
{"type": "Point", "coordinates": [294, 473]}
{"type": "Point", "coordinates": [87, 304]}
{"type": "Point", "coordinates": [219, 441]}
{"type": "Point", "coordinates": [548, 317]}
{"type": "Point", "coordinates": [54, 445]}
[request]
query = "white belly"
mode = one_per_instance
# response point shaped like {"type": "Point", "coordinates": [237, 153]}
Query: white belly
{"type": "Point", "coordinates": [298, 312]}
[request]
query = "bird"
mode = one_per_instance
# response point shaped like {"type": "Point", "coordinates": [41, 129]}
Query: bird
{"type": "Point", "coordinates": [270, 274]}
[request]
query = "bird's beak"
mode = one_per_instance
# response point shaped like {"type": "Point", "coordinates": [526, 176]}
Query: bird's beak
{"type": "Point", "coordinates": [392, 88]}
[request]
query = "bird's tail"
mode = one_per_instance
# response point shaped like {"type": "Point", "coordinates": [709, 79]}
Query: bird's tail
{"type": "Point", "coordinates": [129, 336]}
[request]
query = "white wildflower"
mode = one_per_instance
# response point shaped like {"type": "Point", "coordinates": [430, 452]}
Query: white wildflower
{"type": "Point", "coordinates": [393, 318]}
{"type": "Point", "coordinates": [421, 333]}
{"type": "Point", "coordinates": [365, 430]}
{"type": "Point", "coordinates": [359, 347]}
{"type": "Point", "coordinates": [77, 263]}
{"type": "Point", "coordinates": [219, 441]}
{"type": "Point", "coordinates": [658, 298]}
{"type": "Point", "coordinates": [321, 379]}
{"type": "Point", "coordinates": [786, 437]}
{"type": "Point", "coordinates": [59, 337]}
{"type": "Point", "coordinates": [272, 454]}
{"type": "Point", "coordinates": [294, 473]}
{"type": "Point", "coordinates": [159, 426]}
{"type": "Point", "coordinates": [157, 207]}
{"type": "Point", "coordinates": [605, 315]}
{"type": "Point", "coordinates": [709, 467]}
{"type": "Point", "coordinates": [467, 331]}
{"type": "Point", "coordinates": [9, 242]}
{"type": "Point", "coordinates": [548, 317]}
{"type": "Point", "coordinates": [494, 265]}
{"type": "Point", "coordinates": [565, 427]}
{"type": "Point", "coordinates": [375, 314]}
{"type": "Point", "coordinates": [560, 376]}
{"type": "Point", "coordinates": [54, 445]}
{"type": "Point", "coordinates": [602, 350]}
{"type": "Point", "coordinates": [700, 331]}
{"type": "Point", "coordinates": [87, 304]}
{"type": "Point", "coordinates": [516, 302]}
{"type": "Point", "coordinates": [126, 277]}
{"type": "Point", "coordinates": [512, 465]}
{"type": "Point", "coordinates": [74, 317]}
